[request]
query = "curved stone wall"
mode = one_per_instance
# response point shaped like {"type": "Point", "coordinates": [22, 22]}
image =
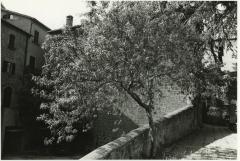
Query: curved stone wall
{"type": "Point", "coordinates": [135, 144]}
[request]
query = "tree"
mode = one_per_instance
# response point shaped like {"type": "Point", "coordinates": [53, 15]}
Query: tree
{"type": "Point", "coordinates": [130, 48]}
{"type": "Point", "coordinates": [214, 20]}
{"type": "Point", "coordinates": [70, 85]}
{"type": "Point", "coordinates": [71, 98]}
{"type": "Point", "coordinates": [29, 109]}
{"type": "Point", "coordinates": [28, 103]}
{"type": "Point", "coordinates": [216, 23]}
{"type": "Point", "coordinates": [137, 45]}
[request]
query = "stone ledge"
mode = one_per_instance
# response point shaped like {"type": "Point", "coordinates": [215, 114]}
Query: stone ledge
{"type": "Point", "coordinates": [105, 150]}
{"type": "Point", "coordinates": [176, 112]}
{"type": "Point", "coordinates": [133, 144]}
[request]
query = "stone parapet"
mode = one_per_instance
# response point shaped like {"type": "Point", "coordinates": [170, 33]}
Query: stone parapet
{"type": "Point", "coordinates": [135, 144]}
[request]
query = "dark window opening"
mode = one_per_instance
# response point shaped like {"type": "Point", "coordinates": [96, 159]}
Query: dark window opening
{"type": "Point", "coordinates": [11, 41]}
{"type": "Point", "coordinates": [8, 67]}
{"type": "Point", "coordinates": [36, 36]}
{"type": "Point", "coordinates": [7, 94]}
{"type": "Point", "coordinates": [7, 16]}
{"type": "Point", "coordinates": [32, 62]}
{"type": "Point", "coordinates": [4, 67]}
{"type": "Point", "coordinates": [13, 68]}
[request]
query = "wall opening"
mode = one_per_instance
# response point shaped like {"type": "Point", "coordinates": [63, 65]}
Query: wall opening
{"type": "Point", "coordinates": [7, 94]}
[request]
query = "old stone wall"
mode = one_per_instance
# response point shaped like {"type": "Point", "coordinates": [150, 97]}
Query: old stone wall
{"type": "Point", "coordinates": [111, 124]}
{"type": "Point", "coordinates": [107, 127]}
{"type": "Point", "coordinates": [175, 125]}
{"type": "Point", "coordinates": [135, 144]}
{"type": "Point", "coordinates": [9, 115]}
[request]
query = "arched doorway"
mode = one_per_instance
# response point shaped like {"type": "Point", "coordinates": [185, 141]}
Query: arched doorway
{"type": "Point", "coordinates": [7, 95]}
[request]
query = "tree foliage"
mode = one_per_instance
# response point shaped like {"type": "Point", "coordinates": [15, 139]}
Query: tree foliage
{"type": "Point", "coordinates": [28, 103]}
{"type": "Point", "coordinates": [130, 48]}
{"type": "Point", "coordinates": [216, 21]}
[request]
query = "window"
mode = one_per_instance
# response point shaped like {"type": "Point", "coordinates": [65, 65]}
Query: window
{"type": "Point", "coordinates": [7, 94]}
{"type": "Point", "coordinates": [8, 67]}
{"type": "Point", "coordinates": [8, 16]}
{"type": "Point", "coordinates": [36, 35]}
{"type": "Point", "coordinates": [32, 62]}
{"type": "Point", "coordinates": [11, 41]}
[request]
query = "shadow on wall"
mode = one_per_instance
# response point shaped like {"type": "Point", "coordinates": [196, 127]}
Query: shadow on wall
{"type": "Point", "coordinates": [107, 127]}
{"type": "Point", "coordinates": [170, 128]}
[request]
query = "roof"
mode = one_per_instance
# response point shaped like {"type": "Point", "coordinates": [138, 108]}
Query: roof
{"type": "Point", "coordinates": [15, 27]}
{"type": "Point", "coordinates": [59, 31]}
{"type": "Point", "coordinates": [2, 6]}
{"type": "Point", "coordinates": [29, 17]}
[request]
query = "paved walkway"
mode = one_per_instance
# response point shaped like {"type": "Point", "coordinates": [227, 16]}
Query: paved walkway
{"type": "Point", "coordinates": [208, 143]}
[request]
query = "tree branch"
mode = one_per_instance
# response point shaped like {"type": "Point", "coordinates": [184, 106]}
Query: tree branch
{"type": "Point", "coordinates": [135, 97]}
{"type": "Point", "coordinates": [211, 43]}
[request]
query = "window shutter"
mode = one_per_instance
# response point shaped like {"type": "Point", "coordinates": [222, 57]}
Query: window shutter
{"type": "Point", "coordinates": [9, 67]}
{"type": "Point", "coordinates": [11, 41]}
{"type": "Point", "coordinates": [7, 94]}
{"type": "Point", "coordinates": [4, 68]}
{"type": "Point", "coordinates": [32, 62]}
{"type": "Point", "coordinates": [13, 68]}
{"type": "Point", "coordinates": [36, 36]}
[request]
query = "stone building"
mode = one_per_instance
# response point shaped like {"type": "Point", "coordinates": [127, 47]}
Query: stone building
{"type": "Point", "coordinates": [13, 42]}
{"type": "Point", "coordinates": [34, 27]}
{"type": "Point", "coordinates": [21, 39]}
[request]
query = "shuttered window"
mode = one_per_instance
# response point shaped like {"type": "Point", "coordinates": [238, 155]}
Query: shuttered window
{"type": "Point", "coordinates": [36, 36]}
{"type": "Point", "coordinates": [8, 67]}
{"type": "Point", "coordinates": [32, 62]}
{"type": "Point", "coordinates": [11, 43]}
{"type": "Point", "coordinates": [7, 94]}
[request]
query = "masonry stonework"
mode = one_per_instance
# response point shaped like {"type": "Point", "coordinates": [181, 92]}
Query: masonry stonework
{"type": "Point", "coordinates": [20, 30]}
{"type": "Point", "coordinates": [13, 81]}
{"type": "Point", "coordinates": [135, 144]}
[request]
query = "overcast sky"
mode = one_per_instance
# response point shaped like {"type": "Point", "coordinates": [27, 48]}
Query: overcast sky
{"type": "Point", "coordinates": [52, 13]}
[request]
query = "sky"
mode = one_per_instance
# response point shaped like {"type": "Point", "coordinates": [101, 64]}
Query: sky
{"type": "Point", "coordinates": [52, 13]}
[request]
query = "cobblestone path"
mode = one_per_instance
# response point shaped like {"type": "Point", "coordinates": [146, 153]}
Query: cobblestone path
{"type": "Point", "coordinates": [208, 143]}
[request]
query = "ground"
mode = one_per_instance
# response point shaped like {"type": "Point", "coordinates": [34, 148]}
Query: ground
{"type": "Point", "coordinates": [208, 143]}
{"type": "Point", "coordinates": [40, 157]}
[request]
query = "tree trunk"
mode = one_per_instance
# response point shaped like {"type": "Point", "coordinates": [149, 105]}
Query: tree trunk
{"type": "Point", "coordinates": [148, 109]}
{"type": "Point", "coordinates": [151, 133]}
{"type": "Point", "coordinates": [211, 43]}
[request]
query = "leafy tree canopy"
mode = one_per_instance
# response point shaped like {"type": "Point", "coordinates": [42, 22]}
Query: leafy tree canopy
{"type": "Point", "coordinates": [130, 48]}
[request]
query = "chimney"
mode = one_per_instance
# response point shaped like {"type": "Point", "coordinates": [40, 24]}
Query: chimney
{"type": "Point", "coordinates": [69, 21]}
